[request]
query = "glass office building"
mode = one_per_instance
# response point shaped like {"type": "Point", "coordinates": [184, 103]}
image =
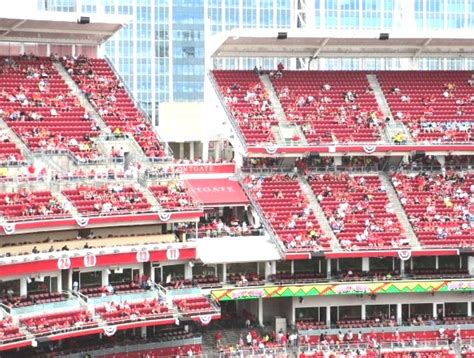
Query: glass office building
{"type": "Point", "coordinates": [160, 54]}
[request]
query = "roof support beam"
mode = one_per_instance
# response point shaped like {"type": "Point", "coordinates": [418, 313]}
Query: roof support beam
{"type": "Point", "coordinates": [320, 48]}
{"type": "Point", "coordinates": [420, 50]}
{"type": "Point", "coordinates": [18, 24]}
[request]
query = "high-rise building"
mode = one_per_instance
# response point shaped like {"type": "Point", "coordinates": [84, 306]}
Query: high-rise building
{"type": "Point", "coordinates": [160, 53]}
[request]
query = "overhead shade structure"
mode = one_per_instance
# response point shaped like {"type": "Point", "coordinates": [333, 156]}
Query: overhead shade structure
{"type": "Point", "coordinates": [217, 192]}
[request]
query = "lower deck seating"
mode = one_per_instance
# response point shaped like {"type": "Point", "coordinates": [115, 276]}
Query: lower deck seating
{"type": "Point", "coordinates": [50, 323]}
{"type": "Point", "coordinates": [420, 353]}
{"type": "Point", "coordinates": [33, 299]}
{"type": "Point", "coordinates": [25, 204]}
{"type": "Point", "coordinates": [193, 305]}
{"type": "Point", "coordinates": [124, 311]}
{"type": "Point", "coordinates": [9, 331]}
{"type": "Point", "coordinates": [173, 196]}
{"type": "Point", "coordinates": [107, 200]}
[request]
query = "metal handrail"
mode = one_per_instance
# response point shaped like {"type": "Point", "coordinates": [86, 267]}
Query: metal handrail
{"type": "Point", "coordinates": [168, 150]}
{"type": "Point", "coordinates": [230, 116]}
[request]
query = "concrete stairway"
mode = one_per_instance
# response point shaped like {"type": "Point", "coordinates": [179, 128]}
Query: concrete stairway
{"type": "Point", "coordinates": [129, 143]}
{"type": "Point", "coordinates": [66, 203]}
{"type": "Point", "coordinates": [155, 205]}
{"type": "Point", "coordinates": [287, 130]}
{"type": "Point", "coordinates": [392, 127]}
{"type": "Point", "coordinates": [318, 212]}
{"type": "Point", "coordinates": [80, 95]}
{"type": "Point", "coordinates": [399, 211]}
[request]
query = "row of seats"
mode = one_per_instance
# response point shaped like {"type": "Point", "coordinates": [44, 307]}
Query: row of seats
{"type": "Point", "coordinates": [331, 106]}
{"type": "Point", "coordinates": [334, 107]}
{"type": "Point", "coordinates": [193, 305]}
{"type": "Point", "coordinates": [434, 103]}
{"type": "Point", "coordinates": [147, 309]}
{"type": "Point", "coordinates": [288, 212]}
{"type": "Point", "coordinates": [9, 331]}
{"type": "Point", "coordinates": [30, 205]}
{"type": "Point", "coordinates": [49, 323]}
{"type": "Point", "coordinates": [109, 97]}
{"type": "Point", "coordinates": [38, 106]}
{"type": "Point", "coordinates": [440, 206]}
{"type": "Point", "coordinates": [108, 200]}
{"type": "Point", "coordinates": [249, 104]}
{"type": "Point", "coordinates": [32, 299]}
{"type": "Point", "coordinates": [358, 211]}
{"type": "Point", "coordinates": [173, 196]}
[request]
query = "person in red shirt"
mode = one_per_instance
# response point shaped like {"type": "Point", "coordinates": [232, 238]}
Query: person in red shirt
{"type": "Point", "coordinates": [218, 338]}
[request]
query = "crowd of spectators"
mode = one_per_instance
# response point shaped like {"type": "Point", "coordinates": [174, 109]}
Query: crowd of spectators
{"type": "Point", "coordinates": [39, 107]}
{"type": "Point", "coordinates": [249, 103]}
{"type": "Point", "coordinates": [358, 210]}
{"type": "Point", "coordinates": [51, 323]}
{"type": "Point", "coordinates": [173, 195]}
{"type": "Point", "coordinates": [128, 311]}
{"type": "Point", "coordinates": [329, 107]}
{"type": "Point", "coordinates": [439, 205]}
{"type": "Point", "coordinates": [27, 204]}
{"type": "Point", "coordinates": [218, 227]}
{"type": "Point", "coordinates": [437, 109]}
{"type": "Point", "coordinates": [288, 211]}
{"type": "Point", "coordinates": [107, 94]}
{"type": "Point", "coordinates": [107, 200]}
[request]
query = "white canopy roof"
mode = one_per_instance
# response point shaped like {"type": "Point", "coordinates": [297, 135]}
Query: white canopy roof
{"type": "Point", "coordinates": [58, 27]}
{"type": "Point", "coordinates": [301, 43]}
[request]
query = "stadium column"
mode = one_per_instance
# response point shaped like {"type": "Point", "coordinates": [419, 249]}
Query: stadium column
{"type": "Point", "coordinates": [365, 264]}
{"type": "Point", "coordinates": [105, 277]}
{"type": "Point", "coordinates": [260, 311]}
{"type": "Point", "coordinates": [469, 308]}
{"type": "Point", "coordinates": [188, 271]}
{"type": "Point", "coordinates": [224, 272]}
{"type": "Point", "coordinates": [441, 159]}
{"type": "Point", "coordinates": [191, 150]}
{"type": "Point", "coordinates": [328, 316]}
{"type": "Point", "coordinates": [470, 264]}
{"type": "Point", "coordinates": [24, 286]}
{"type": "Point", "coordinates": [181, 150]}
{"type": "Point", "coordinates": [217, 151]}
{"type": "Point", "coordinates": [205, 150]}
{"type": "Point", "coordinates": [270, 269]}
{"type": "Point", "coordinates": [399, 313]}
{"type": "Point", "coordinates": [363, 312]}
{"type": "Point", "coordinates": [328, 266]}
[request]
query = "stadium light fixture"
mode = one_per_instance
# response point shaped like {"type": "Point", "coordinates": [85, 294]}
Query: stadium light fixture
{"type": "Point", "coordinates": [84, 20]}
